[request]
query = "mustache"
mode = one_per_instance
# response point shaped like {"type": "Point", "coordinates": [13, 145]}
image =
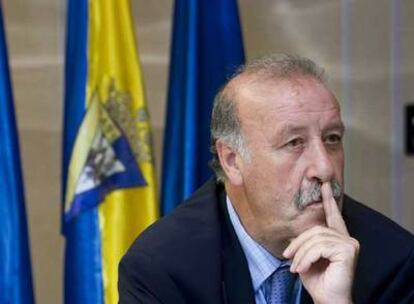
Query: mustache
{"type": "Point", "coordinates": [313, 193]}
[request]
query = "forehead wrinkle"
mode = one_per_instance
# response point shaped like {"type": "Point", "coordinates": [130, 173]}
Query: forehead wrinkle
{"type": "Point", "coordinates": [289, 102]}
{"type": "Point", "coordinates": [289, 113]}
{"type": "Point", "coordinates": [291, 127]}
{"type": "Point", "coordinates": [253, 103]}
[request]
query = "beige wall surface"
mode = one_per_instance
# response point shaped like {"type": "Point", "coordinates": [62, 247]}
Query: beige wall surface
{"type": "Point", "coordinates": [366, 46]}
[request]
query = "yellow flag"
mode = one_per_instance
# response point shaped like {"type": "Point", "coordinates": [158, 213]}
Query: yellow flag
{"type": "Point", "coordinates": [115, 80]}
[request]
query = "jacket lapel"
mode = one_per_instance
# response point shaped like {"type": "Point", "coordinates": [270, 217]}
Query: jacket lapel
{"type": "Point", "coordinates": [305, 297]}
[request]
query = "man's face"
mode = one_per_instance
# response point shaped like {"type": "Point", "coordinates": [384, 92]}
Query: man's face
{"type": "Point", "coordinates": [293, 131]}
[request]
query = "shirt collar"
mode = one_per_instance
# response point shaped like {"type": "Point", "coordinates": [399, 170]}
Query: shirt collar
{"type": "Point", "coordinates": [261, 262]}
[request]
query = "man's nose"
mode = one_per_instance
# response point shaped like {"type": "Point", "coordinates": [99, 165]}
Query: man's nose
{"type": "Point", "coordinates": [320, 165]}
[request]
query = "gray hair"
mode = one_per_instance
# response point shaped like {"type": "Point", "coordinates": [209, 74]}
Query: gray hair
{"type": "Point", "coordinates": [225, 123]}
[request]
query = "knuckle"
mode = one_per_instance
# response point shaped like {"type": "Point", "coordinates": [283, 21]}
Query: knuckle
{"type": "Point", "coordinates": [354, 245]}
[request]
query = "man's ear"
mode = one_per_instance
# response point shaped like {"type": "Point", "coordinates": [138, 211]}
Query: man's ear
{"type": "Point", "coordinates": [229, 160]}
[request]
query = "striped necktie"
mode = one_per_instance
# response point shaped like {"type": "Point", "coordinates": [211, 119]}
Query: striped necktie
{"type": "Point", "coordinates": [282, 282]}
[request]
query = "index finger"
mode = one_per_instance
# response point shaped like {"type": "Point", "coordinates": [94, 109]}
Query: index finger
{"type": "Point", "coordinates": [333, 215]}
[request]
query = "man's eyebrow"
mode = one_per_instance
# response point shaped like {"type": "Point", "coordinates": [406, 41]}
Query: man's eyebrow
{"type": "Point", "coordinates": [336, 126]}
{"type": "Point", "coordinates": [289, 129]}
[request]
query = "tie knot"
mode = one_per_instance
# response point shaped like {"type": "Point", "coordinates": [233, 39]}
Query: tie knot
{"type": "Point", "coordinates": [282, 282]}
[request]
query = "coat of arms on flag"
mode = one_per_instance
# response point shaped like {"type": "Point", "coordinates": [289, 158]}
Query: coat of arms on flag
{"type": "Point", "coordinates": [106, 153]}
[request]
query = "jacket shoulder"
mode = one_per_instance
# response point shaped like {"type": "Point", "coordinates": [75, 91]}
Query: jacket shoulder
{"type": "Point", "coordinates": [194, 222]}
{"type": "Point", "coordinates": [385, 269]}
{"type": "Point", "coordinates": [373, 227]}
{"type": "Point", "coordinates": [181, 248]}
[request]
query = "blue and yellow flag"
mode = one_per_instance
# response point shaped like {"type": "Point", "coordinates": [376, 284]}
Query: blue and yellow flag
{"type": "Point", "coordinates": [15, 271]}
{"type": "Point", "coordinates": [206, 49]}
{"type": "Point", "coordinates": [109, 193]}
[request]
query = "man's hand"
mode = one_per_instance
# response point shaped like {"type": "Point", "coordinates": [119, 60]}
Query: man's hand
{"type": "Point", "coordinates": [325, 257]}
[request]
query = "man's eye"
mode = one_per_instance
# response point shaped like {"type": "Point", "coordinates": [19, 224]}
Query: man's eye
{"type": "Point", "coordinates": [333, 139]}
{"type": "Point", "coordinates": [296, 142]}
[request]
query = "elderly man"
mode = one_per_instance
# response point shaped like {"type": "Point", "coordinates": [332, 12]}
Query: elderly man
{"type": "Point", "coordinates": [275, 226]}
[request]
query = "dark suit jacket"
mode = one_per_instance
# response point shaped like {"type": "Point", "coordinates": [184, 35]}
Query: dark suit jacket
{"type": "Point", "coordinates": [193, 256]}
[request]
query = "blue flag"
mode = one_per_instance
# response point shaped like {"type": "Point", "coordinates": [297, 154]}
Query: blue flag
{"type": "Point", "coordinates": [15, 271]}
{"type": "Point", "coordinates": [206, 49]}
